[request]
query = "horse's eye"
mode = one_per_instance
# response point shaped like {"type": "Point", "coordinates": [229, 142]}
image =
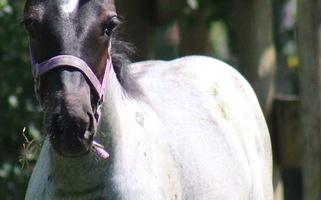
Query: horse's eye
{"type": "Point", "coordinates": [29, 26]}
{"type": "Point", "coordinates": [111, 25]}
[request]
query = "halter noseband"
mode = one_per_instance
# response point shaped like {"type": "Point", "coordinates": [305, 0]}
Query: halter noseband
{"type": "Point", "coordinates": [74, 62]}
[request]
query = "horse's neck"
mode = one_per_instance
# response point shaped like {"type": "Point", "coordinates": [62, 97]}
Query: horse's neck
{"type": "Point", "coordinates": [92, 168]}
{"type": "Point", "coordinates": [132, 135]}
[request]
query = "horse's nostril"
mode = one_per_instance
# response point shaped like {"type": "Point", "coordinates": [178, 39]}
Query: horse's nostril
{"type": "Point", "coordinates": [88, 135]}
{"type": "Point", "coordinates": [90, 128]}
{"type": "Point", "coordinates": [91, 122]}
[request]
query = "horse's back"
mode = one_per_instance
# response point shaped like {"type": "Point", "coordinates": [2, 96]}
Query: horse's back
{"type": "Point", "coordinates": [213, 126]}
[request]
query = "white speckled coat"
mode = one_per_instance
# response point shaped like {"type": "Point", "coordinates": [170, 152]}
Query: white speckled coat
{"type": "Point", "coordinates": [198, 134]}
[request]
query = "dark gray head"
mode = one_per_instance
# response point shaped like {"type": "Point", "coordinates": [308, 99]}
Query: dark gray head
{"type": "Point", "coordinates": [81, 28]}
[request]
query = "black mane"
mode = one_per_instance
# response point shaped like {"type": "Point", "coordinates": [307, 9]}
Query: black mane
{"type": "Point", "coordinates": [121, 53]}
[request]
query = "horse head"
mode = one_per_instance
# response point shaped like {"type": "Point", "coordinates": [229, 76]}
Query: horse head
{"type": "Point", "coordinates": [70, 50]}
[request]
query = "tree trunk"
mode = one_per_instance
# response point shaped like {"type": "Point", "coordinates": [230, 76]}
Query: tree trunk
{"type": "Point", "coordinates": [139, 22]}
{"type": "Point", "coordinates": [256, 49]}
{"type": "Point", "coordinates": [285, 14]}
{"type": "Point", "coordinates": [144, 18]}
{"type": "Point", "coordinates": [309, 37]}
{"type": "Point", "coordinates": [195, 34]}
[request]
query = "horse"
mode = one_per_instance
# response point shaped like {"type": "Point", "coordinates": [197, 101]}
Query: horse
{"type": "Point", "coordinates": [189, 128]}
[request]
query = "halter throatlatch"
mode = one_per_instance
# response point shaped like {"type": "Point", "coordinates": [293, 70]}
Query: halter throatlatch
{"type": "Point", "coordinates": [74, 62]}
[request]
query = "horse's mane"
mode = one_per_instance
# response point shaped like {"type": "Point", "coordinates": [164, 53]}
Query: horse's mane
{"type": "Point", "coordinates": [121, 53]}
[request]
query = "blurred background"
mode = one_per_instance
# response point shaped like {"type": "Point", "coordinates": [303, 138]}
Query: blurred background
{"type": "Point", "coordinates": [275, 44]}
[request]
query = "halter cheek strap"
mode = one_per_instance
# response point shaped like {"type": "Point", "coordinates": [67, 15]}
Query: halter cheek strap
{"type": "Point", "coordinates": [74, 62]}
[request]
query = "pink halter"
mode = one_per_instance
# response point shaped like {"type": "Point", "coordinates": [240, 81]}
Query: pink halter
{"type": "Point", "coordinates": [75, 62]}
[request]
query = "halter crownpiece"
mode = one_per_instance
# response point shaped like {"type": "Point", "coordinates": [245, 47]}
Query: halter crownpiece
{"type": "Point", "coordinates": [74, 62]}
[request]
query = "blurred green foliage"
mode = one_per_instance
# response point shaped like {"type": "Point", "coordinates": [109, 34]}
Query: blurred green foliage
{"type": "Point", "coordinates": [18, 105]}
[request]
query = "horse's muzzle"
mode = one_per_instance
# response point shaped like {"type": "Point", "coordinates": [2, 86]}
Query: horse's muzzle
{"type": "Point", "coordinates": [69, 112]}
{"type": "Point", "coordinates": [71, 136]}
